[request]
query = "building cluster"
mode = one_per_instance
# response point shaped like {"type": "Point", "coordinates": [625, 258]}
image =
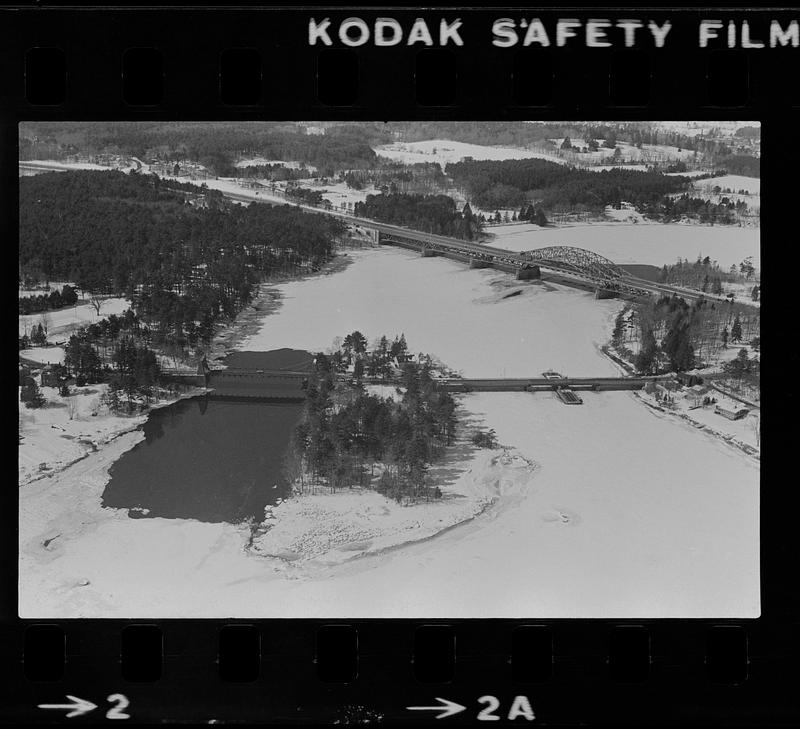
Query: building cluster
{"type": "Point", "coordinates": [184, 168]}
{"type": "Point", "coordinates": [115, 161]}
{"type": "Point", "coordinates": [692, 395]}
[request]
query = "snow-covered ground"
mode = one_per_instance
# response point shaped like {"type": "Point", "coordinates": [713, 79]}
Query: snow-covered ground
{"type": "Point", "coordinates": [46, 164]}
{"type": "Point", "coordinates": [751, 185]}
{"type": "Point", "coordinates": [625, 214]}
{"type": "Point", "coordinates": [689, 173]}
{"type": "Point", "coordinates": [44, 355]}
{"type": "Point", "coordinates": [628, 512]}
{"type": "Point", "coordinates": [602, 156]}
{"type": "Point", "coordinates": [339, 193]}
{"type": "Point", "coordinates": [65, 430]}
{"type": "Point", "coordinates": [446, 150]}
{"type": "Point", "coordinates": [63, 322]}
{"type": "Point", "coordinates": [654, 243]}
{"type": "Point", "coordinates": [258, 161]}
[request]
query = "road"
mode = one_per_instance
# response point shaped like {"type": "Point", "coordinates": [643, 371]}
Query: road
{"type": "Point", "coordinates": [499, 257]}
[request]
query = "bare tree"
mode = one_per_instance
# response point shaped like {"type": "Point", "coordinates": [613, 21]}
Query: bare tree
{"type": "Point", "coordinates": [44, 320]}
{"type": "Point", "coordinates": [96, 302]}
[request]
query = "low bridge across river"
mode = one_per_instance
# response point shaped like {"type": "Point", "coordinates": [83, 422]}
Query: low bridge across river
{"type": "Point", "coordinates": [289, 386]}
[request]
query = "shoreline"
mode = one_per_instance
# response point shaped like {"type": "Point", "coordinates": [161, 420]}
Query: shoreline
{"type": "Point", "coordinates": [719, 435]}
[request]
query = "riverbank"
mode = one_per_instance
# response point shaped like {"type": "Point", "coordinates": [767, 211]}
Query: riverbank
{"type": "Point", "coordinates": [742, 435]}
{"type": "Point", "coordinates": [269, 299]}
{"type": "Point", "coordinates": [68, 429]}
{"type": "Point", "coordinates": [328, 529]}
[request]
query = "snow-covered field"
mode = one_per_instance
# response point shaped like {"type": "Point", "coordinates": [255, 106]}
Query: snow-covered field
{"type": "Point", "coordinates": [258, 161]}
{"type": "Point", "coordinates": [446, 150]}
{"type": "Point", "coordinates": [751, 185]}
{"type": "Point", "coordinates": [62, 322]}
{"type": "Point", "coordinates": [628, 512]}
{"type": "Point", "coordinates": [339, 193]}
{"type": "Point", "coordinates": [654, 244]}
{"type": "Point", "coordinates": [44, 355]}
{"type": "Point", "coordinates": [46, 164]}
{"type": "Point", "coordinates": [648, 153]}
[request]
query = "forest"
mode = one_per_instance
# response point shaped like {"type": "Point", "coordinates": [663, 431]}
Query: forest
{"type": "Point", "coordinates": [56, 299]}
{"type": "Point", "coordinates": [510, 183]}
{"type": "Point", "coordinates": [671, 335]}
{"type": "Point", "coordinates": [183, 266]}
{"type": "Point", "coordinates": [216, 146]}
{"type": "Point", "coordinates": [669, 209]}
{"type": "Point", "coordinates": [349, 437]}
{"type": "Point", "coordinates": [431, 213]}
{"type": "Point", "coordinates": [707, 276]}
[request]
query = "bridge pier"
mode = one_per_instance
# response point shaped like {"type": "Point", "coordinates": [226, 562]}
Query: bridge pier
{"type": "Point", "coordinates": [528, 273]}
{"type": "Point", "coordinates": [426, 252]}
{"type": "Point", "coordinates": [479, 263]}
{"type": "Point", "coordinates": [605, 294]}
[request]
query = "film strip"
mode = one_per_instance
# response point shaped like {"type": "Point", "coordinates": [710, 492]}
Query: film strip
{"type": "Point", "coordinates": [405, 64]}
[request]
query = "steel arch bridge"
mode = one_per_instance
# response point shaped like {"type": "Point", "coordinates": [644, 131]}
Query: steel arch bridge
{"type": "Point", "coordinates": [578, 260]}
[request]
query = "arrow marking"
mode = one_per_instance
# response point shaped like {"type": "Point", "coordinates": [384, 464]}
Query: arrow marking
{"type": "Point", "coordinates": [76, 708]}
{"type": "Point", "coordinates": [445, 708]}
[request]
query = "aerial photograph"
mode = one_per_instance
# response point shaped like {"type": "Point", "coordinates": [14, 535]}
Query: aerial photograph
{"type": "Point", "coordinates": [389, 370]}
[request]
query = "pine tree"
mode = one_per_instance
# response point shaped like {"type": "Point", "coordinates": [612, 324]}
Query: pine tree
{"type": "Point", "coordinates": [736, 330]}
{"type": "Point", "coordinates": [31, 395]}
{"type": "Point", "coordinates": [755, 293]}
{"type": "Point", "coordinates": [725, 338]}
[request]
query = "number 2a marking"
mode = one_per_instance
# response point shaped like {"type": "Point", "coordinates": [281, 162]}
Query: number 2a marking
{"type": "Point", "coordinates": [520, 708]}
{"type": "Point", "coordinates": [116, 712]}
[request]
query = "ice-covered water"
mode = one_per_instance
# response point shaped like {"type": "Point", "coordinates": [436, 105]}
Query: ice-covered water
{"type": "Point", "coordinates": [654, 244]}
{"type": "Point", "coordinates": [628, 513]}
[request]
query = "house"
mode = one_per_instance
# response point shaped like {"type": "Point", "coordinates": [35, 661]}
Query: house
{"type": "Point", "coordinates": [697, 395]}
{"type": "Point", "coordinates": [731, 410]}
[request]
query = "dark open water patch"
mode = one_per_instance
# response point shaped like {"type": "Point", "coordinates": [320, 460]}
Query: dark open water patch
{"type": "Point", "coordinates": [642, 270]}
{"type": "Point", "coordinates": [204, 459]}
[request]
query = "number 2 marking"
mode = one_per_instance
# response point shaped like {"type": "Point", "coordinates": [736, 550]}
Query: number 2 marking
{"type": "Point", "coordinates": [116, 712]}
{"type": "Point", "coordinates": [492, 705]}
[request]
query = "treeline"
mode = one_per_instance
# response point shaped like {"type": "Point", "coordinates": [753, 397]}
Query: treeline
{"type": "Point", "coordinates": [349, 438]}
{"type": "Point", "coordinates": [674, 336]}
{"type": "Point", "coordinates": [183, 266]}
{"type": "Point", "coordinates": [395, 177]}
{"type": "Point", "coordinates": [274, 172]}
{"type": "Point", "coordinates": [305, 194]}
{"type": "Point", "coordinates": [706, 275]}
{"type": "Point", "coordinates": [217, 146]}
{"type": "Point", "coordinates": [112, 351]}
{"type": "Point", "coordinates": [509, 183]}
{"type": "Point", "coordinates": [431, 213]}
{"type": "Point", "coordinates": [48, 302]}
{"type": "Point", "coordinates": [724, 212]}
{"type": "Point", "coordinates": [742, 164]}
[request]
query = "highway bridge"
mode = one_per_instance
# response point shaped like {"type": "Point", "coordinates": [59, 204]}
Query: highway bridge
{"type": "Point", "coordinates": [569, 265]}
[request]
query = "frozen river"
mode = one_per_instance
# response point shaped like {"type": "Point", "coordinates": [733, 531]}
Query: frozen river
{"type": "Point", "coordinates": [650, 243]}
{"type": "Point", "coordinates": [627, 514]}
